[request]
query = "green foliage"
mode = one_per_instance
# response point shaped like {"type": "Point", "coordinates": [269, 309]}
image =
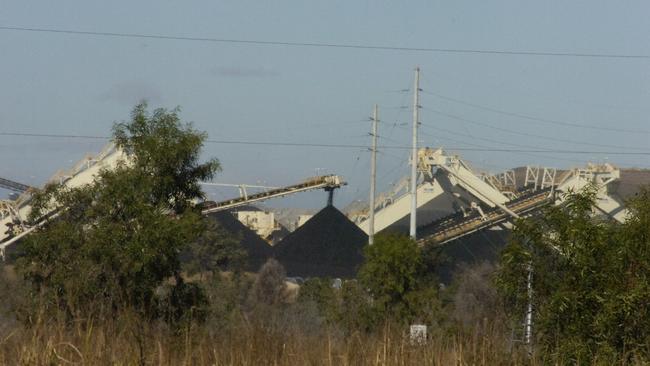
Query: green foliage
{"type": "Point", "coordinates": [590, 278]}
{"type": "Point", "coordinates": [113, 242]}
{"type": "Point", "coordinates": [320, 292]}
{"type": "Point", "coordinates": [349, 307]}
{"type": "Point", "coordinates": [399, 280]}
{"type": "Point", "coordinates": [214, 249]}
{"type": "Point", "coordinates": [227, 294]}
{"type": "Point", "coordinates": [167, 152]}
{"type": "Point", "coordinates": [356, 311]}
{"type": "Point", "coordinates": [390, 270]}
{"type": "Point", "coordinates": [184, 302]}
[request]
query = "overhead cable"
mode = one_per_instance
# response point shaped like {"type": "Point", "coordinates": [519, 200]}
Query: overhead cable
{"type": "Point", "coordinates": [330, 45]}
{"type": "Point", "coordinates": [534, 118]}
{"type": "Point", "coordinates": [351, 146]}
{"type": "Point", "coordinates": [507, 130]}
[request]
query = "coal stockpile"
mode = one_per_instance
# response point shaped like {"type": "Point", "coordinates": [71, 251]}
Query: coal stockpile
{"type": "Point", "coordinates": [278, 235]}
{"type": "Point", "coordinates": [631, 182]}
{"type": "Point", "coordinates": [481, 246]}
{"type": "Point", "coordinates": [257, 250]}
{"type": "Point", "coordinates": [328, 245]}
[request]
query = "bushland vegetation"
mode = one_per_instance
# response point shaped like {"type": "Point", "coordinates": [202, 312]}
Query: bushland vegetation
{"type": "Point", "coordinates": [128, 272]}
{"type": "Point", "coordinates": [590, 291]}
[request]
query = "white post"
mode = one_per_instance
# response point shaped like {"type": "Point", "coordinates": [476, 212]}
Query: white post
{"type": "Point", "coordinates": [373, 176]}
{"type": "Point", "coordinates": [528, 322]}
{"type": "Point", "coordinates": [414, 155]}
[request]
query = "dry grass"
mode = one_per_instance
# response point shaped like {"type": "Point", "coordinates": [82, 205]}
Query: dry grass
{"type": "Point", "coordinates": [128, 341]}
{"type": "Point", "coordinates": [279, 336]}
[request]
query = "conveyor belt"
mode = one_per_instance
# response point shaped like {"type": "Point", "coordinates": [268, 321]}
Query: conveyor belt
{"type": "Point", "coordinates": [322, 182]}
{"type": "Point", "coordinates": [328, 182]}
{"type": "Point", "coordinates": [455, 226]}
{"type": "Point", "coordinates": [13, 186]}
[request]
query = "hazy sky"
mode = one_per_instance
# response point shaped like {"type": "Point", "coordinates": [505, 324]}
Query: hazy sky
{"type": "Point", "coordinates": [79, 85]}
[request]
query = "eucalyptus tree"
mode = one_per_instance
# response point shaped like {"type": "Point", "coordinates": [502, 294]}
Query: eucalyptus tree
{"type": "Point", "coordinates": [117, 240]}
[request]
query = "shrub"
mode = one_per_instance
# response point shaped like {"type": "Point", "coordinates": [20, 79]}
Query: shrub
{"type": "Point", "coordinates": [114, 241]}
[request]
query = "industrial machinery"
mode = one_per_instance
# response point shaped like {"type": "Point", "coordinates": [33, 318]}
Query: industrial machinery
{"type": "Point", "coordinates": [326, 182]}
{"type": "Point", "coordinates": [13, 186]}
{"type": "Point", "coordinates": [453, 201]}
{"type": "Point", "coordinates": [14, 222]}
{"type": "Point", "coordinates": [14, 214]}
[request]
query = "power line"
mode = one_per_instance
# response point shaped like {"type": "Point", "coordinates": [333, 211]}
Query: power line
{"type": "Point", "coordinates": [533, 118]}
{"type": "Point", "coordinates": [531, 134]}
{"type": "Point", "coordinates": [402, 163]}
{"type": "Point", "coordinates": [438, 129]}
{"type": "Point", "coordinates": [388, 139]}
{"type": "Point", "coordinates": [52, 135]}
{"type": "Point", "coordinates": [330, 45]}
{"type": "Point", "coordinates": [350, 146]}
{"type": "Point", "coordinates": [383, 153]}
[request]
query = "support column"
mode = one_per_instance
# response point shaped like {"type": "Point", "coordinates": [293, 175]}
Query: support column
{"type": "Point", "coordinates": [373, 178]}
{"type": "Point", "coordinates": [414, 156]}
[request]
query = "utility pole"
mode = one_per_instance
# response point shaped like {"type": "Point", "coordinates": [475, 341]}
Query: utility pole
{"type": "Point", "coordinates": [373, 177]}
{"type": "Point", "coordinates": [414, 154]}
{"type": "Point", "coordinates": [528, 320]}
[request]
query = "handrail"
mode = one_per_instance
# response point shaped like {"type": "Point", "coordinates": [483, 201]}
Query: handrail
{"type": "Point", "coordinates": [445, 230]}
{"type": "Point", "coordinates": [13, 186]}
{"type": "Point", "coordinates": [325, 181]}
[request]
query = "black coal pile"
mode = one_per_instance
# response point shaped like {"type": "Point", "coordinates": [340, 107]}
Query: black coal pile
{"type": "Point", "coordinates": [473, 249]}
{"type": "Point", "coordinates": [328, 245]}
{"type": "Point", "coordinates": [279, 234]}
{"type": "Point", "coordinates": [257, 250]}
{"type": "Point", "coordinates": [631, 182]}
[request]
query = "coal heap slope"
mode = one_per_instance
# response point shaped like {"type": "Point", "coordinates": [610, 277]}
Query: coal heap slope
{"type": "Point", "coordinates": [257, 250]}
{"type": "Point", "coordinates": [473, 249]}
{"type": "Point", "coordinates": [328, 245]}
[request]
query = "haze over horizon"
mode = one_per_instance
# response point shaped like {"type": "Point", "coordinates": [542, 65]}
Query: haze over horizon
{"type": "Point", "coordinates": [76, 84]}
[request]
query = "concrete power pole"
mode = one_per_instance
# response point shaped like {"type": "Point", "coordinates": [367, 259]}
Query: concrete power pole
{"type": "Point", "coordinates": [373, 177]}
{"type": "Point", "coordinates": [528, 320]}
{"type": "Point", "coordinates": [414, 155]}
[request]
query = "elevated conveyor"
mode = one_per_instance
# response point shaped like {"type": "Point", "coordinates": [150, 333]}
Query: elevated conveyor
{"type": "Point", "coordinates": [456, 226]}
{"type": "Point", "coordinates": [443, 179]}
{"type": "Point", "coordinates": [14, 215]}
{"type": "Point", "coordinates": [600, 176]}
{"type": "Point", "coordinates": [399, 207]}
{"type": "Point", "coordinates": [480, 204]}
{"type": "Point", "coordinates": [13, 186]}
{"type": "Point", "coordinates": [14, 224]}
{"type": "Point", "coordinates": [327, 182]}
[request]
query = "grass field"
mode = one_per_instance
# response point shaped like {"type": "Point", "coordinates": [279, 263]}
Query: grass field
{"type": "Point", "coordinates": [129, 342]}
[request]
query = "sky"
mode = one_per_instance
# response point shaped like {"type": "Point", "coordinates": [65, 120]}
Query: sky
{"type": "Point", "coordinates": [56, 83]}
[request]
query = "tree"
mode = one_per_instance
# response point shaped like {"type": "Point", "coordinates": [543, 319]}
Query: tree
{"type": "Point", "coordinates": [270, 288]}
{"type": "Point", "coordinates": [215, 249]}
{"type": "Point", "coordinates": [398, 278]}
{"type": "Point", "coordinates": [591, 295]}
{"type": "Point", "coordinates": [474, 296]}
{"type": "Point", "coordinates": [117, 239]}
{"type": "Point", "coordinates": [355, 312]}
{"type": "Point", "coordinates": [167, 152]}
{"type": "Point", "coordinates": [349, 307]}
{"type": "Point", "coordinates": [320, 292]}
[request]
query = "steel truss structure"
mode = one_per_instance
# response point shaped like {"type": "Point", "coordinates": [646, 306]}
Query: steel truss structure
{"type": "Point", "coordinates": [468, 202]}
{"type": "Point", "coordinates": [14, 222]}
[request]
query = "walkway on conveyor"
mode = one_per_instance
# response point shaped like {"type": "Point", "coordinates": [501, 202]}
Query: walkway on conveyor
{"type": "Point", "coordinates": [456, 225]}
{"type": "Point", "coordinates": [13, 186]}
{"type": "Point", "coordinates": [325, 182]}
